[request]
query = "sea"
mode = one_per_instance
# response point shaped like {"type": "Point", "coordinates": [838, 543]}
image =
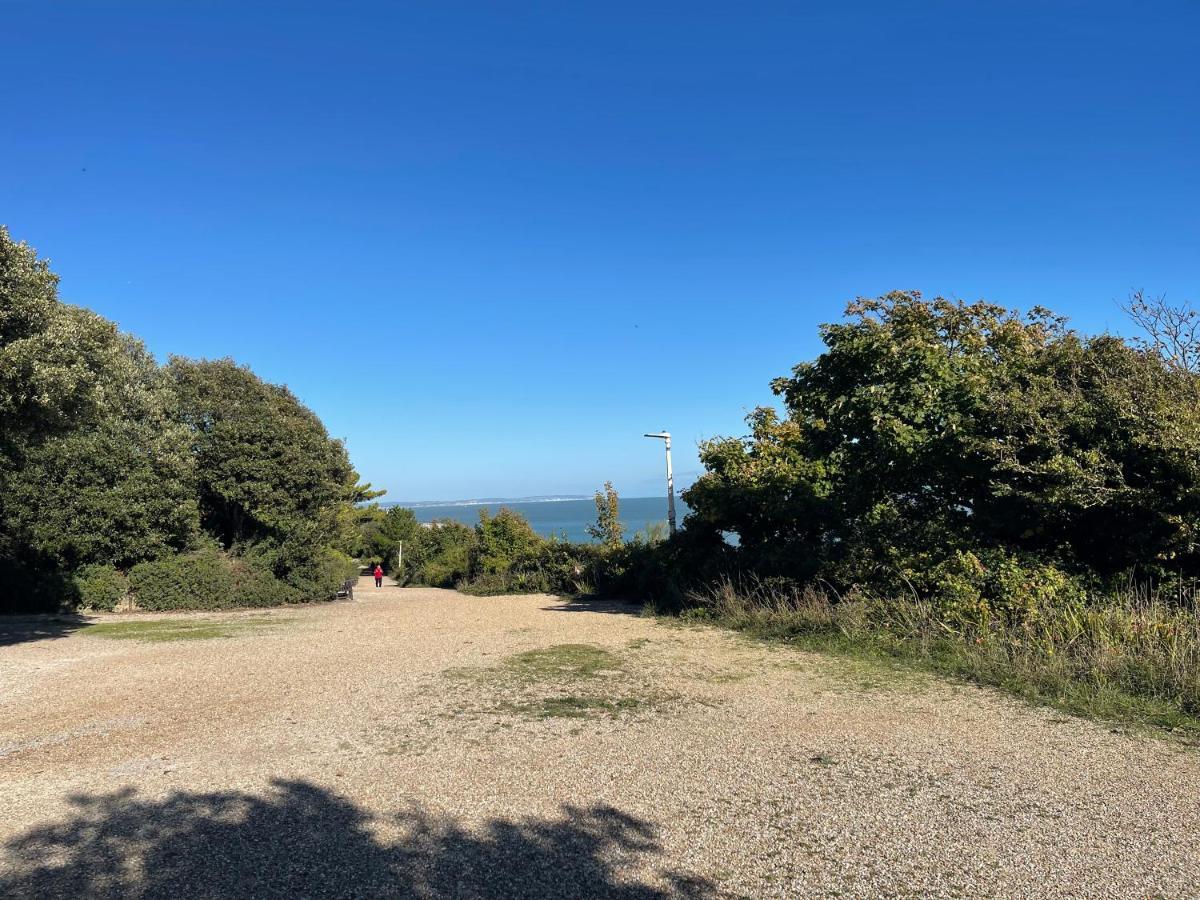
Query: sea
{"type": "Point", "coordinates": [562, 517]}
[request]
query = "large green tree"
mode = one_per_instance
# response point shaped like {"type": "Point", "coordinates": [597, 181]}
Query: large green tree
{"type": "Point", "coordinates": [108, 458]}
{"type": "Point", "coordinates": [932, 427]}
{"type": "Point", "coordinates": [117, 489]}
{"type": "Point", "coordinates": [267, 470]}
{"type": "Point", "coordinates": [93, 466]}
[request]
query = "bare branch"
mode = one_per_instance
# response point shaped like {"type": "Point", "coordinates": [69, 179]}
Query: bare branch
{"type": "Point", "coordinates": [1172, 332]}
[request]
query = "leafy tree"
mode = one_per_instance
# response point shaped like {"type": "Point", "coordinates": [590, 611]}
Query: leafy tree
{"type": "Point", "coordinates": [93, 468]}
{"type": "Point", "coordinates": [61, 367]}
{"type": "Point", "coordinates": [934, 428]}
{"type": "Point", "coordinates": [113, 493]}
{"type": "Point", "coordinates": [399, 525]}
{"type": "Point", "coordinates": [608, 529]}
{"type": "Point", "coordinates": [266, 468]}
{"type": "Point", "coordinates": [441, 554]}
{"type": "Point", "coordinates": [503, 539]}
{"type": "Point", "coordinates": [38, 393]}
{"type": "Point", "coordinates": [381, 533]}
{"type": "Point", "coordinates": [109, 460]}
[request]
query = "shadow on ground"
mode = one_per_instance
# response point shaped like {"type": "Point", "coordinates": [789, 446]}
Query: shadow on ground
{"type": "Point", "coordinates": [299, 840]}
{"type": "Point", "coordinates": [20, 629]}
{"type": "Point", "coordinates": [591, 604]}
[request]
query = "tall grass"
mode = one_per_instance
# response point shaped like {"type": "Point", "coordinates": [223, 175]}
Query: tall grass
{"type": "Point", "coordinates": [1133, 656]}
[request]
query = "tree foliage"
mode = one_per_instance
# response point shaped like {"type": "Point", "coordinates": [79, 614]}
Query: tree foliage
{"type": "Point", "coordinates": [382, 532]}
{"type": "Point", "coordinates": [608, 529]}
{"type": "Point", "coordinates": [118, 487]}
{"type": "Point", "coordinates": [440, 555]}
{"type": "Point", "coordinates": [931, 431]}
{"type": "Point", "coordinates": [501, 540]}
{"type": "Point", "coordinates": [109, 460]}
{"type": "Point", "coordinates": [265, 464]}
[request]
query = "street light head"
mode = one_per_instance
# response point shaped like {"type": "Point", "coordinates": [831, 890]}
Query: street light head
{"type": "Point", "coordinates": [662, 435]}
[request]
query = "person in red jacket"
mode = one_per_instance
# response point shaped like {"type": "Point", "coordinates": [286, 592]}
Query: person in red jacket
{"type": "Point", "coordinates": [378, 575]}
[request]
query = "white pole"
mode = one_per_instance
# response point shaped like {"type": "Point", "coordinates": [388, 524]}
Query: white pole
{"type": "Point", "coordinates": [665, 437]}
{"type": "Point", "coordinates": [670, 486]}
{"type": "Point", "coordinates": [400, 564]}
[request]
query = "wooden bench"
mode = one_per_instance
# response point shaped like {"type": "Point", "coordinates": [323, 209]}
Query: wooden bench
{"type": "Point", "coordinates": [346, 591]}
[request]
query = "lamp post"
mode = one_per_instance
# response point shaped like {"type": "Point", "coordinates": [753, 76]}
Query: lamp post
{"type": "Point", "coordinates": [665, 437]}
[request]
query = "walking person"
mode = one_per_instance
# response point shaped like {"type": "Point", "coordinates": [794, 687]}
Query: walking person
{"type": "Point", "coordinates": [378, 575]}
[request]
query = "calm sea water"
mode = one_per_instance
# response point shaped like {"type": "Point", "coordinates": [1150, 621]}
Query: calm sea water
{"type": "Point", "coordinates": [561, 518]}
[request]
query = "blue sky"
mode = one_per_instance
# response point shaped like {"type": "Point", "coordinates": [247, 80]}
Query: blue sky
{"type": "Point", "coordinates": [491, 244]}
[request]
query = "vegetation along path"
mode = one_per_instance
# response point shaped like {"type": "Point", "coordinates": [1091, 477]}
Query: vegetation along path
{"type": "Point", "coordinates": [419, 742]}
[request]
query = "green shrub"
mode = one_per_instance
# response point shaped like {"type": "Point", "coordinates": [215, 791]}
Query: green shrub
{"type": "Point", "coordinates": [956, 588]}
{"type": "Point", "coordinates": [200, 580]}
{"type": "Point", "coordinates": [320, 576]}
{"type": "Point", "coordinates": [486, 584]}
{"type": "Point", "coordinates": [968, 591]}
{"type": "Point", "coordinates": [565, 568]}
{"type": "Point", "coordinates": [501, 541]}
{"type": "Point", "coordinates": [210, 579]}
{"type": "Point", "coordinates": [662, 574]}
{"type": "Point", "coordinates": [1021, 589]}
{"type": "Point", "coordinates": [253, 586]}
{"type": "Point", "coordinates": [100, 586]}
{"type": "Point", "coordinates": [440, 554]}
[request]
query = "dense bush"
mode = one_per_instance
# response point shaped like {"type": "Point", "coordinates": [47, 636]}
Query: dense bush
{"type": "Point", "coordinates": [504, 555]}
{"type": "Point", "coordinates": [321, 574]}
{"type": "Point", "coordinates": [440, 555]}
{"type": "Point", "coordinates": [501, 541]}
{"type": "Point", "coordinates": [255, 586]}
{"type": "Point", "coordinates": [211, 579]}
{"type": "Point", "coordinates": [200, 580]}
{"type": "Point", "coordinates": [548, 566]}
{"type": "Point", "coordinates": [100, 587]}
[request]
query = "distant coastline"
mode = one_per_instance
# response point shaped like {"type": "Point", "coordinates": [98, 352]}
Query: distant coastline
{"type": "Point", "coordinates": [487, 501]}
{"type": "Point", "coordinates": [550, 515]}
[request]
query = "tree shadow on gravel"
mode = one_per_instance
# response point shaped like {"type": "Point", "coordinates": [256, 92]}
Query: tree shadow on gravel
{"type": "Point", "coordinates": [588, 603]}
{"type": "Point", "coordinates": [299, 840]}
{"type": "Point", "coordinates": [22, 629]}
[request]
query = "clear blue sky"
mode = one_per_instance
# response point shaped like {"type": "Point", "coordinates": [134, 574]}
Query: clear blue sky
{"type": "Point", "coordinates": [491, 244]}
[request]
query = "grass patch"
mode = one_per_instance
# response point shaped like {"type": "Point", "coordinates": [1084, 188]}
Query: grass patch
{"type": "Point", "coordinates": [163, 630]}
{"type": "Point", "coordinates": [574, 707]}
{"type": "Point", "coordinates": [563, 681]}
{"type": "Point", "coordinates": [727, 677]}
{"type": "Point", "coordinates": [853, 666]}
{"type": "Point", "coordinates": [562, 661]}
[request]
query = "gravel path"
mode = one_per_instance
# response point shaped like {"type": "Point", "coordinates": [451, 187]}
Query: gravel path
{"type": "Point", "coordinates": [421, 743]}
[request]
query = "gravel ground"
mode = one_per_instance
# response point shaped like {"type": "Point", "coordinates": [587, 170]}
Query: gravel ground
{"type": "Point", "coordinates": [421, 743]}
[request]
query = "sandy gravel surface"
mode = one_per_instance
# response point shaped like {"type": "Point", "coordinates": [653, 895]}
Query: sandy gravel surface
{"type": "Point", "coordinates": [421, 743]}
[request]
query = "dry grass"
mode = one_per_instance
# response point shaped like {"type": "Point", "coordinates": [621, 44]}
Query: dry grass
{"type": "Point", "coordinates": [1133, 658]}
